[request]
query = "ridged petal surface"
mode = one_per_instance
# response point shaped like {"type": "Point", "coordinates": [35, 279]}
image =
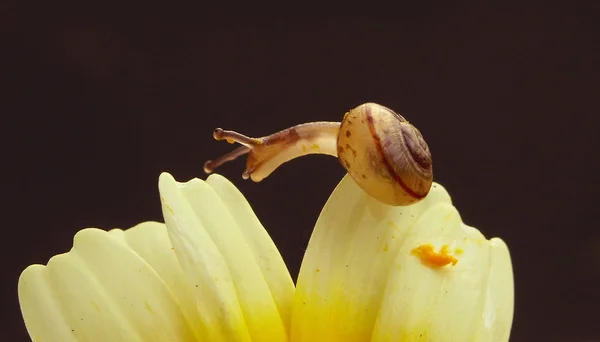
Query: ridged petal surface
{"type": "Point", "coordinates": [361, 279]}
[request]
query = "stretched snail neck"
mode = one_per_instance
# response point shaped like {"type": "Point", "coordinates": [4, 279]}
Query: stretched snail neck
{"type": "Point", "coordinates": [267, 153]}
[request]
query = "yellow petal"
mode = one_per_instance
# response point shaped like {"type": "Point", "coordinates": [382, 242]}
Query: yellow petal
{"type": "Point", "coordinates": [436, 303]}
{"type": "Point", "coordinates": [232, 296]}
{"type": "Point", "coordinates": [263, 249]}
{"type": "Point", "coordinates": [41, 309]}
{"type": "Point", "coordinates": [99, 291]}
{"type": "Point", "coordinates": [498, 309]}
{"type": "Point", "coordinates": [150, 240]}
{"type": "Point", "coordinates": [361, 281]}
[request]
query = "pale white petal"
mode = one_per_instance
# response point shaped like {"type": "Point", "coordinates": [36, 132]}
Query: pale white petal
{"type": "Point", "coordinates": [105, 292]}
{"type": "Point", "coordinates": [233, 298]}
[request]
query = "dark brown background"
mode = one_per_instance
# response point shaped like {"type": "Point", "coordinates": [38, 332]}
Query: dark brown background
{"type": "Point", "coordinates": [96, 102]}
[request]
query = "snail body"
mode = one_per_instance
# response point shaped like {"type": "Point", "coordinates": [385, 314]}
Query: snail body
{"type": "Point", "coordinates": [384, 154]}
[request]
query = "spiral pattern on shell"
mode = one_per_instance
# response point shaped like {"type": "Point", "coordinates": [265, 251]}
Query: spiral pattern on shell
{"type": "Point", "coordinates": [385, 154]}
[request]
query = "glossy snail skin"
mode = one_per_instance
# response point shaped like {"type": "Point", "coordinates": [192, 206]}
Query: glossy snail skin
{"type": "Point", "coordinates": [269, 152]}
{"type": "Point", "coordinates": [386, 156]}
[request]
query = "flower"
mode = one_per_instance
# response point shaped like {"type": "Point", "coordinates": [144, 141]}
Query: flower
{"type": "Point", "coordinates": [371, 272]}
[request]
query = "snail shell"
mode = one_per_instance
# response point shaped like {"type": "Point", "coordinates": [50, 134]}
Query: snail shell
{"type": "Point", "coordinates": [385, 155]}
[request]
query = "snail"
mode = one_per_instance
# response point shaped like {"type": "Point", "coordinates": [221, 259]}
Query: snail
{"type": "Point", "coordinates": [384, 154]}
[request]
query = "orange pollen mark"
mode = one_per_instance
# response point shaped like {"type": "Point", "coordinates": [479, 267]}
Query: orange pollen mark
{"type": "Point", "coordinates": [231, 141]}
{"type": "Point", "coordinates": [432, 258]}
